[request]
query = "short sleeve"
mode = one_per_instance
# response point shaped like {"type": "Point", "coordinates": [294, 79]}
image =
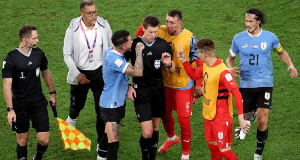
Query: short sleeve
{"type": "Point", "coordinates": [118, 64]}
{"type": "Point", "coordinates": [44, 63]}
{"type": "Point", "coordinates": [276, 45]}
{"type": "Point", "coordinates": [7, 68]}
{"type": "Point", "coordinates": [234, 50]}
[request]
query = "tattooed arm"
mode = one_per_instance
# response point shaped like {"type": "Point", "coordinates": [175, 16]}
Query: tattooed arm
{"type": "Point", "coordinates": [137, 69]}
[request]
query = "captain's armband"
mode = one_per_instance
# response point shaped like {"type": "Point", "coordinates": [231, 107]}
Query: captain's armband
{"type": "Point", "coordinates": [278, 49]}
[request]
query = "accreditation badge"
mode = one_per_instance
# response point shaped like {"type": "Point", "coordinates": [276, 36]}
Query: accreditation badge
{"type": "Point", "coordinates": [157, 64]}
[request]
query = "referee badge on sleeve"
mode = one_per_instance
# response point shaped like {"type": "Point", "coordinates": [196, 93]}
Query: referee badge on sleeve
{"type": "Point", "coordinates": [37, 72]}
{"type": "Point", "coordinates": [3, 64]}
{"type": "Point", "coordinates": [157, 64]}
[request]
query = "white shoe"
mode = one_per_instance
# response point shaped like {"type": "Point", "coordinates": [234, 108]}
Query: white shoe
{"type": "Point", "coordinates": [100, 158]}
{"type": "Point", "coordinates": [257, 157]}
{"type": "Point", "coordinates": [33, 157]}
{"type": "Point", "coordinates": [71, 121]}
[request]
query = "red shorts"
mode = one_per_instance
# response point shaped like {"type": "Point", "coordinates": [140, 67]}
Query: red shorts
{"type": "Point", "coordinates": [219, 130]}
{"type": "Point", "coordinates": [180, 100]}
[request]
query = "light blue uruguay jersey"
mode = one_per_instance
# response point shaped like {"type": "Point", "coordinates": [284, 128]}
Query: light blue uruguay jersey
{"type": "Point", "coordinates": [115, 80]}
{"type": "Point", "coordinates": [256, 68]}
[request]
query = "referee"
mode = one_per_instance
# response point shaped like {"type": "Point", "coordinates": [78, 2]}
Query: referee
{"type": "Point", "coordinates": [23, 91]}
{"type": "Point", "coordinates": [149, 102]}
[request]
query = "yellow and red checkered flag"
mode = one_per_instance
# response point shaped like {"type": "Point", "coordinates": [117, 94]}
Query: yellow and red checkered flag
{"type": "Point", "coordinates": [70, 136]}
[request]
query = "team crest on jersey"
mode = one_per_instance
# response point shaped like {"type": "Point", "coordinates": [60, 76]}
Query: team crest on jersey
{"type": "Point", "coordinates": [220, 135]}
{"type": "Point", "coordinates": [37, 72]}
{"type": "Point", "coordinates": [267, 95]}
{"type": "Point", "coordinates": [157, 64]}
{"type": "Point", "coordinates": [263, 45]}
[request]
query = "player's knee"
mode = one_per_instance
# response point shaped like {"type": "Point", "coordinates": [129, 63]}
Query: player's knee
{"type": "Point", "coordinates": [22, 141]}
{"type": "Point", "coordinates": [44, 141]}
{"type": "Point", "coordinates": [262, 121]}
{"type": "Point", "coordinates": [147, 134]}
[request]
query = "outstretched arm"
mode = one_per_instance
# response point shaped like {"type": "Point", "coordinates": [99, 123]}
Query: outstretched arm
{"type": "Point", "coordinates": [193, 73]}
{"type": "Point", "coordinates": [287, 60]}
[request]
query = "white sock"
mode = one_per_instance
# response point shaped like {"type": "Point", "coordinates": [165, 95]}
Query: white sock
{"type": "Point", "coordinates": [185, 156]}
{"type": "Point", "coordinates": [172, 138]}
{"type": "Point", "coordinates": [257, 155]}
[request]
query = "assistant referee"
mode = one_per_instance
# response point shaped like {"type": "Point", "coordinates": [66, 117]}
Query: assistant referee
{"type": "Point", "coordinates": [23, 91]}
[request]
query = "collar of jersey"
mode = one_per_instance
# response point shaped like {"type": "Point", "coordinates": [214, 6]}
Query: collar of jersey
{"type": "Point", "coordinates": [25, 54]}
{"type": "Point", "coordinates": [147, 44]}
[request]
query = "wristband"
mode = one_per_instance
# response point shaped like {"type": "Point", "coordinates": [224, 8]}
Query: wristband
{"type": "Point", "coordinates": [9, 109]}
{"type": "Point", "coordinates": [129, 84]}
{"type": "Point", "coordinates": [54, 92]}
{"type": "Point", "coordinates": [169, 66]}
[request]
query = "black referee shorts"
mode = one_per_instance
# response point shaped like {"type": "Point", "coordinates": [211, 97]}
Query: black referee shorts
{"type": "Point", "coordinates": [254, 98]}
{"type": "Point", "coordinates": [34, 109]}
{"type": "Point", "coordinates": [149, 102]}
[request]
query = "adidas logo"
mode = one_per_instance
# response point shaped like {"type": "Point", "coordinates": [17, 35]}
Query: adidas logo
{"type": "Point", "coordinates": [29, 63]}
{"type": "Point", "coordinates": [149, 54]}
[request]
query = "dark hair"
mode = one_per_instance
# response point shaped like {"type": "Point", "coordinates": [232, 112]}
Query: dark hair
{"type": "Point", "coordinates": [119, 38]}
{"type": "Point", "coordinates": [86, 3]}
{"type": "Point", "coordinates": [259, 15]}
{"type": "Point", "coordinates": [175, 13]}
{"type": "Point", "coordinates": [205, 45]}
{"type": "Point", "coordinates": [25, 31]}
{"type": "Point", "coordinates": [151, 21]}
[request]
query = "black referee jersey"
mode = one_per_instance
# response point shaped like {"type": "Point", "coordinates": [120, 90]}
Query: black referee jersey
{"type": "Point", "coordinates": [25, 72]}
{"type": "Point", "coordinates": [151, 59]}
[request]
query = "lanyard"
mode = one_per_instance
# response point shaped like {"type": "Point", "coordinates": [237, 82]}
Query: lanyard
{"type": "Point", "coordinates": [87, 42]}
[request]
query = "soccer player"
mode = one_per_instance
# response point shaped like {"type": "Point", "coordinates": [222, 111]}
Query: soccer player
{"type": "Point", "coordinates": [86, 40]}
{"type": "Point", "coordinates": [178, 85]}
{"type": "Point", "coordinates": [23, 91]}
{"type": "Point", "coordinates": [150, 95]}
{"type": "Point", "coordinates": [115, 74]}
{"type": "Point", "coordinates": [256, 70]}
{"type": "Point", "coordinates": [218, 88]}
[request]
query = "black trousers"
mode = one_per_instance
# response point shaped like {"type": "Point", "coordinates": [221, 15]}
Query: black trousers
{"type": "Point", "coordinates": [79, 93]}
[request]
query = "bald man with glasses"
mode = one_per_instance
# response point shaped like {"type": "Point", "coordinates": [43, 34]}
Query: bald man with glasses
{"type": "Point", "coordinates": [86, 40]}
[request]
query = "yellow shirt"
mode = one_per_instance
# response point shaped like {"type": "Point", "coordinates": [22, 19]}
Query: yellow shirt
{"type": "Point", "coordinates": [179, 78]}
{"type": "Point", "coordinates": [211, 80]}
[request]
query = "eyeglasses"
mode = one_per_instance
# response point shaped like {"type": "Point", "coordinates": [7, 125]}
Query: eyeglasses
{"type": "Point", "coordinates": [91, 13]}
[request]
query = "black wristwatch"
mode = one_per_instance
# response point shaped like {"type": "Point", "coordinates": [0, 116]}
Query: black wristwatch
{"type": "Point", "coordinates": [54, 92]}
{"type": "Point", "coordinates": [9, 109]}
